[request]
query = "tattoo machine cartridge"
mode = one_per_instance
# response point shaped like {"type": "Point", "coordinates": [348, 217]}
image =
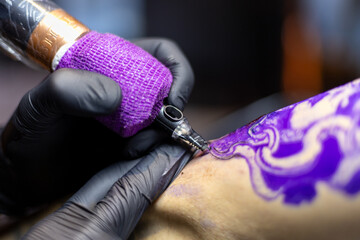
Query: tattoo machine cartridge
{"type": "Point", "coordinates": [174, 122]}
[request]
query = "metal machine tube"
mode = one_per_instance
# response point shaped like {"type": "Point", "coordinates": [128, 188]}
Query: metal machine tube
{"type": "Point", "coordinates": [37, 29]}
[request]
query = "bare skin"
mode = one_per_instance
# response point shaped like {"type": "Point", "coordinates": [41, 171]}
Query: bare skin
{"type": "Point", "coordinates": [214, 199]}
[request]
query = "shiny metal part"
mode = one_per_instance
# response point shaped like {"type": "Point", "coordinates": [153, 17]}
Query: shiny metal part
{"type": "Point", "coordinates": [174, 122]}
{"type": "Point", "coordinates": [37, 31]}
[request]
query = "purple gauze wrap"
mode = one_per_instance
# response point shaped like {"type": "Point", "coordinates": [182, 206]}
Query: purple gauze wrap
{"type": "Point", "coordinates": [144, 81]}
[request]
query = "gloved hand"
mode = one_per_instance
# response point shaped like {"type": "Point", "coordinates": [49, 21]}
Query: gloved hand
{"type": "Point", "coordinates": [95, 212]}
{"type": "Point", "coordinates": [53, 144]}
{"type": "Point", "coordinates": [169, 53]}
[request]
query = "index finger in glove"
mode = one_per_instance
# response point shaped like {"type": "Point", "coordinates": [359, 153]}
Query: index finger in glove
{"type": "Point", "coordinates": [170, 54]}
{"type": "Point", "coordinates": [66, 91]}
{"type": "Point", "coordinates": [78, 93]}
{"type": "Point", "coordinates": [98, 186]}
{"type": "Point", "coordinates": [131, 195]}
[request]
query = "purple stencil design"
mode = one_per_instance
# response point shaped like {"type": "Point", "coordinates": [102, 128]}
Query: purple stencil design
{"type": "Point", "coordinates": [293, 149]}
{"type": "Point", "coordinates": [144, 81]}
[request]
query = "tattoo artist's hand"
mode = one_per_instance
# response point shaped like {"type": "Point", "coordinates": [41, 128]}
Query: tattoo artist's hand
{"type": "Point", "coordinates": [53, 144]}
{"type": "Point", "coordinates": [110, 205]}
{"type": "Point", "coordinates": [169, 53]}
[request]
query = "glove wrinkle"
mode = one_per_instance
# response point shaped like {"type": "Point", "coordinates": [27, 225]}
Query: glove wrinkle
{"type": "Point", "coordinates": [32, 119]}
{"type": "Point", "coordinates": [122, 206]}
{"type": "Point", "coordinates": [72, 219]}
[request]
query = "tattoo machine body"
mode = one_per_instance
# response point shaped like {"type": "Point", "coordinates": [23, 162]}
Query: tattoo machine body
{"type": "Point", "coordinates": [38, 31]}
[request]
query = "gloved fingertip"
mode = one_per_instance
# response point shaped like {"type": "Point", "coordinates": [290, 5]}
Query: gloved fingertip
{"type": "Point", "coordinates": [178, 101]}
{"type": "Point", "coordinates": [84, 93]}
{"type": "Point", "coordinates": [180, 91]}
{"type": "Point", "coordinates": [113, 97]}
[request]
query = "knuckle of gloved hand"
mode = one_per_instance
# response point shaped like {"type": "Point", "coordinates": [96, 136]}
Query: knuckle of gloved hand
{"type": "Point", "coordinates": [190, 76]}
{"type": "Point", "coordinates": [168, 43]}
{"type": "Point", "coordinates": [168, 50]}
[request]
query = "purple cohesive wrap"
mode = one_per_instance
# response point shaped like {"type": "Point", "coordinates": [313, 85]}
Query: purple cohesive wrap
{"type": "Point", "coordinates": [144, 81]}
{"type": "Point", "coordinates": [293, 150]}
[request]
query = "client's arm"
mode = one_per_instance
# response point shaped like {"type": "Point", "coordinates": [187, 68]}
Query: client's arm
{"type": "Point", "coordinates": [291, 174]}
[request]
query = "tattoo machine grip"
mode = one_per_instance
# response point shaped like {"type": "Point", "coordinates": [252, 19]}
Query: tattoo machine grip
{"type": "Point", "coordinates": [144, 81]}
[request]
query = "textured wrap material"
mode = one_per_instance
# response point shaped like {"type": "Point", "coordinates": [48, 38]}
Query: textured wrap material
{"type": "Point", "coordinates": [145, 82]}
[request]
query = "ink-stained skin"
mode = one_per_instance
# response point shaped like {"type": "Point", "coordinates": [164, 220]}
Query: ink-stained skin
{"type": "Point", "coordinates": [291, 174]}
{"type": "Point", "coordinates": [290, 150]}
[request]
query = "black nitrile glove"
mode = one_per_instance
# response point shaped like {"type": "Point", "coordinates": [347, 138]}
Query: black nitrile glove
{"type": "Point", "coordinates": [110, 205]}
{"type": "Point", "coordinates": [169, 53]}
{"type": "Point", "coordinates": [53, 144]}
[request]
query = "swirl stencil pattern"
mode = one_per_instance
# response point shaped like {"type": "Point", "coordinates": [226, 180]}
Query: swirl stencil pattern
{"type": "Point", "coordinates": [290, 150]}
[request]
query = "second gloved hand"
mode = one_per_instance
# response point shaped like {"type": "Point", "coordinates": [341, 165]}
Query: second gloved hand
{"type": "Point", "coordinates": [110, 205]}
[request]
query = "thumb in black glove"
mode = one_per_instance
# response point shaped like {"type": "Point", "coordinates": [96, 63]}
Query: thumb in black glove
{"type": "Point", "coordinates": [94, 213]}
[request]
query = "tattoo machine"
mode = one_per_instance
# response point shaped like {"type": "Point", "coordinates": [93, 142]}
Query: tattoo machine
{"type": "Point", "coordinates": [39, 33]}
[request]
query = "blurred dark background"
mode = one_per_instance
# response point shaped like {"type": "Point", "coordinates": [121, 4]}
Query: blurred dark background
{"type": "Point", "coordinates": [234, 46]}
{"type": "Point", "coordinates": [249, 57]}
